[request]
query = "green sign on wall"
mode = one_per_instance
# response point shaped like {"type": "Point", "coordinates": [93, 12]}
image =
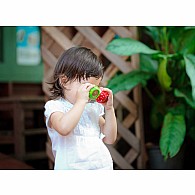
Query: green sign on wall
{"type": "Point", "coordinates": [20, 55]}
{"type": "Point", "coordinates": [28, 45]}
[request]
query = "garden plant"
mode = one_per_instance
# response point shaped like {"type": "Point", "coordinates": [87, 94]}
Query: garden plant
{"type": "Point", "coordinates": [169, 60]}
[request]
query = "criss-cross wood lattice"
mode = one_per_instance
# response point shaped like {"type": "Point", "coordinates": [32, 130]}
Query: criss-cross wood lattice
{"type": "Point", "coordinates": [128, 150]}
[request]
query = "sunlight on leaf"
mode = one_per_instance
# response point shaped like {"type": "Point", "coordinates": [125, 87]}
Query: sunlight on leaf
{"type": "Point", "coordinates": [128, 46]}
{"type": "Point", "coordinates": [128, 81]}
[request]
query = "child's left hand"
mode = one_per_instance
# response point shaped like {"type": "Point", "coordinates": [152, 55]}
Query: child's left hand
{"type": "Point", "coordinates": [109, 103]}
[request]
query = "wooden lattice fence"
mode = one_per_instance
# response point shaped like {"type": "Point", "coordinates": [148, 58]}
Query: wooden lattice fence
{"type": "Point", "coordinates": [128, 151]}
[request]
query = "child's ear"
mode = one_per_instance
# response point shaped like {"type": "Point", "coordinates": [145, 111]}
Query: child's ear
{"type": "Point", "coordinates": [62, 80]}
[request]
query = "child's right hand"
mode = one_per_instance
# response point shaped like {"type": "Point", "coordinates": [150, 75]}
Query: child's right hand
{"type": "Point", "coordinates": [83, 92]}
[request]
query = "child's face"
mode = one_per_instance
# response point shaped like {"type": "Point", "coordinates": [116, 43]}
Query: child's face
{"type": "Point", "coordinates": [92, 80]}
{"type": "Point", "coordinates": [73, 87]}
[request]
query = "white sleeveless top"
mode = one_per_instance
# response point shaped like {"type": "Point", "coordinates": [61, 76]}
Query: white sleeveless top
{"type": "Point", "coordinates": [83, 148]}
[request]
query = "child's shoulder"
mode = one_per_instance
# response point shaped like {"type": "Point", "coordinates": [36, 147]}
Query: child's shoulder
{"type": "Point", "coordinates": [54, 101]}
{"type": "Point", "coordinates": [58, 102]}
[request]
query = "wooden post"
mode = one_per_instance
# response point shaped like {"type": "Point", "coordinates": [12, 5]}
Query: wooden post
{"type": "Point", "coordinates": [18, 130]}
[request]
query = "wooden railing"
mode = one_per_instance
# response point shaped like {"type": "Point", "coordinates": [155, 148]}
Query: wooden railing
{"type": "Point", "coordinates": [128, 151]}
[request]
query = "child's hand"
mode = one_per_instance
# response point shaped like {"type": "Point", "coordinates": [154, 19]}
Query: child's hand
{"type": "Point", "coordinates": [83, 92]}
{"type": "Point", "coordinates": [109, 104]}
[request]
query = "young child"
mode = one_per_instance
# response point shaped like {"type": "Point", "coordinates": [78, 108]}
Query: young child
{"type": "Point", "coordinates": [76, 126]}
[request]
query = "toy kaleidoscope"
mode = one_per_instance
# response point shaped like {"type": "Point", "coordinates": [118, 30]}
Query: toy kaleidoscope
{"type": "Point", "coordinates": [96, 94]}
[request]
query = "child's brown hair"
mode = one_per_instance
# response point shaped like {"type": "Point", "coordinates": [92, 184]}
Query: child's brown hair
{"type": "Point", "coordinates": [75, 63]}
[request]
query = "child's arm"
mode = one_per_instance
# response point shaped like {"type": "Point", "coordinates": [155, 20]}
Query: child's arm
{"type": "Point", "coordinates": [109, 124]}
{"type": "Point", "coordinates": [64, 123]}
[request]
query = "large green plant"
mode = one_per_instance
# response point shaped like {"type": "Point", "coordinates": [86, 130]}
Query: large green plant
{"type": "Point", "coordinates": [170, 62]}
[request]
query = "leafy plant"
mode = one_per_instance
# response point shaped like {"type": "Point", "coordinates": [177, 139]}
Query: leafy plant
{"type": "Point", "coordinates": [170, 62]}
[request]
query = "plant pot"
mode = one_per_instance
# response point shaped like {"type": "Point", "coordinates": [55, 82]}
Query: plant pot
{"type": "Point", "coordinates": [156, 160]}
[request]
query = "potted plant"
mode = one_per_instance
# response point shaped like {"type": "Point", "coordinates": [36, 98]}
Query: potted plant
{"type": "Point", "coordinates": [169, 61]}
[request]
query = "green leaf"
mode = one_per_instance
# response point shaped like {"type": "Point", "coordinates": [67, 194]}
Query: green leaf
{"type": "Point", "coordinates": [182, 39]}
{"type": "Point", "coordinates": [128, 47]}
{"type": "Point", "coordinates": [172, 134]}
{"type": "Point", "coordinates": [175, 36]}
{"type": "Point", "coordinates": [187, 42]}
{"type": "Point", "coordinates": [189, 27]}
{"type": "Point", "coordinates": [190, 70]}
{"type": "Point", "coordinates": [153, 32]}
{"type": "Point", "coordinates": [163, 77]}
{"type": "Point", "coordinates": [128, 81]}
{"type": "Point", "coordinates": [188, 100]}
{"type": "Point", "coordinates": [148, 64]}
